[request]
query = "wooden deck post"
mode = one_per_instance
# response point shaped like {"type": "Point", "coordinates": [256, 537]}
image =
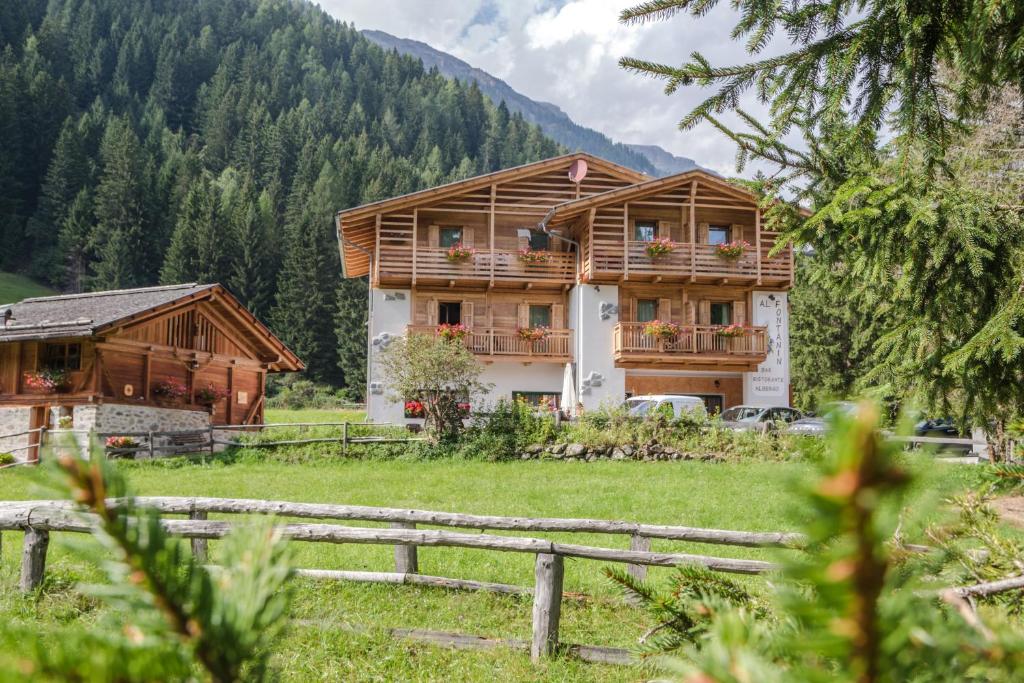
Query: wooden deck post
{"type": "Point", "coordinates": [547, 605]}
{"type": "Point", "coordinates": [406, 559]}
{"type": "Point", "coordinates": [199, 545]}
{"type": "Point", "coordinates": [33, 558]}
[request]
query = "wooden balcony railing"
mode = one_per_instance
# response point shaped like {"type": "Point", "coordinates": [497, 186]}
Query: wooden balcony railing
{"type": "Point", "coordinates": [506, 342]}
{"type": "Point", "coordinates": [432, 264]}
{"type": "Point", "coordinates": [688, 260]}
{"type": "Point", "coordinates": [693, 341]}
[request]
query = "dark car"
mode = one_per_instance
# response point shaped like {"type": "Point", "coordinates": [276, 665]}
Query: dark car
{"type": "Point", "coordinates": [943, 428]}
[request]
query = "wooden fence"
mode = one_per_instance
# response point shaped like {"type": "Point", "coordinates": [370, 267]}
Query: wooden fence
{"type": "Point", "coordinates": [38, 518]}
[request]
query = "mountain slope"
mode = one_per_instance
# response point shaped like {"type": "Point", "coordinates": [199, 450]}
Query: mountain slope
{"type": "Point", "coordinates": [552, 120]}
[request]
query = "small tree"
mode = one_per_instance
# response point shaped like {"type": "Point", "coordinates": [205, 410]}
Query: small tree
{"type": "Point", "coordinates": [437, 373]}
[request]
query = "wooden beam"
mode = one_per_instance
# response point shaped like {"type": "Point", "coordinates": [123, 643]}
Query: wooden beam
{"type": "Point", "coordinates": [33, 558]}
{"type": "Point", "coordinates": [415, 223]}
{"type": "Point", "coordinates": [693, 231]}
{"type": "Point", "coordinates": [376, 251]}
{"type": "Point", "coordinates": [406, 560]}
{"type": "Point", "coordinates": [146, 373]}
{"type": "Point", "coordinates": [625, 241]}
{"type": "Point", "coordinates": [757, 242]}
{"type": "Point", "coordinates": [490, 226]}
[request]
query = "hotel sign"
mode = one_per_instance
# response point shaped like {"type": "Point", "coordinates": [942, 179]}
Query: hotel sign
{"type": "Point", "coordinates": [769, 385]}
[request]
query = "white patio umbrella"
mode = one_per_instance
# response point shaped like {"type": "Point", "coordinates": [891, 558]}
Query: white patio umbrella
{"type": "Point", "coordinates": [568, 402]}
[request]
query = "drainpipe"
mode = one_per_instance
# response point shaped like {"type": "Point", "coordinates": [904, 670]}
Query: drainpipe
{"type": "Point", "coordinates": [543, 225]}
{"type": "Point", "coordinates": [342, 243]}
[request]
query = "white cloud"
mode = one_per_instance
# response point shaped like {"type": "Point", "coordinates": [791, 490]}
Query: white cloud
{"type": "Point", "coordinates": [567, 52]}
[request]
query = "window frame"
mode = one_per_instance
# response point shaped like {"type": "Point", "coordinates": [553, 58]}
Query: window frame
{"type": "Point", "coordinates": [62, 361]}
{"type": "Point", "coordinates": [533, 398]}
{"type": "Point", "coordinates": [654, 310]}
{"type": "Point", "coordinates": [726, 229]}
{"type": "Point", "coordinates": [543, 236]}
{"type": "Point", "coordinates": [447, 229]}
{"type": "Point", "coordinates": [443, 318]}
{"type": "Point", "coordinates": [711, 312]}
{"type": "Point", "coordinates": [651, 224]}
{"type": "Point", "coordinates": [545, 307]}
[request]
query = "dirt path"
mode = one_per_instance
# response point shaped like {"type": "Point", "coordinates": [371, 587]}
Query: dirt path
{"type": "Point", "coordinates": [1011, 509]}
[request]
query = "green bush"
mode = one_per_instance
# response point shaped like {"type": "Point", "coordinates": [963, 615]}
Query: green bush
{"type": "Point", "coordinates": [7, 458]}
{"type": "Point", "coordinates": [504, 431]}
{"type": "Point", "coordinates": [299, 394]}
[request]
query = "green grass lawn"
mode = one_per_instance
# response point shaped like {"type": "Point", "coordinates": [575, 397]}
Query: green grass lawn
{"type": "Point", "coordinates": [17, 287]}
{"type": "Point", "coordinates": [736, 495]}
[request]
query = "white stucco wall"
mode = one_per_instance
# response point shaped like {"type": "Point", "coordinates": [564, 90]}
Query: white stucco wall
{"type": "Point", "coordinates": [599, 382]}
{"type": "Point", "coordinates": [507, 377]}
{"type": "Point", "coordinates": [770, 384]}
{"type": "Point", "coordinates": [392, 312]}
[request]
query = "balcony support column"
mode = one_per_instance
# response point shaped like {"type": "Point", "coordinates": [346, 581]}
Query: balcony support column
{"type": "Point", "coordinates": [625, 241]}
{"type": "Point", "coordinates": [757, 241]}
{"type": "Point", "coordinates": [415, 224]}
{"type": "Point", "coordinates": [490, 227]}
{"type": "Point", "coordinates": [693, 231]}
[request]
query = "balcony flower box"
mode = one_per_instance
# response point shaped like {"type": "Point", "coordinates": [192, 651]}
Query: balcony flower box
{"type": "Point", "coordinates": [169, 392]}
{"type": "Point", "coordinates": [660, 247]}
{"type": "Point", "coordinates": [528, 255]}
{"type": "Point", "coordinates": [47, 381]}
{"type": "Point", "coordinates": [121, 445]}
{"type": "Point", "coordinates": [731, 251]}
{"type": "Point", "coordinates": [455, 332]}
{"type": "Point", "coordinates": [533, 334]}
{"type": "Point", "coordinates": [459, 253]}
{"type": "Point", "coordinates": [734, 330]}
{"type": "Point", "coordinates": [662, 329]}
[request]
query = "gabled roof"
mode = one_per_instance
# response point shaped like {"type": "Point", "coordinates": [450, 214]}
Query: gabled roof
{"type": "Point", "coordinates": [356, 231]}
{"type": "Point", "coordinates": [86, 315]}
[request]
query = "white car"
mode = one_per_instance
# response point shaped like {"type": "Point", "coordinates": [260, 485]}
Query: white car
{"type": "Point", "coordinates": [758, 418]}
{"type": "Point", "coordinates": [640, 406]}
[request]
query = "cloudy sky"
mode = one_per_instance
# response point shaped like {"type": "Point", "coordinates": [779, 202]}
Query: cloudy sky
{"type": "Point", "coordinates": [567, 52]}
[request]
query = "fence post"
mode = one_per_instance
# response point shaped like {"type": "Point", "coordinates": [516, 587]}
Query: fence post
{"type": "Point", "coordinates": [344, 438]}
{"type": "Point", "coordinates": [637, 571]}
{"type": "Point", "coordinates": [198, 544]}
{"type": "Point", "coordinates": [33, 558]}
{"type": "Point", "coordinates": [211, 439]}
{"type": "Point", "coordinates": [547, 605]}
{"type": "Point", "coordinates": [152, 452]}
{"type": "Point", "coordinates": [406, 559]}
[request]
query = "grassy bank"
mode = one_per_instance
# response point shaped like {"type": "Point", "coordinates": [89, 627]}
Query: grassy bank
{"type": "Point", "coordinates": [739, 495]}
{"type": "Point", "coordinates": [17, 287]}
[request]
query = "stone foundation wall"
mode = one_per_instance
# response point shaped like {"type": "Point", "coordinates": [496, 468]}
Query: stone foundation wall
{"type": "Point", "coordinates": [12, 421]}
{"type": "Point", "coordinates": [112, 417]}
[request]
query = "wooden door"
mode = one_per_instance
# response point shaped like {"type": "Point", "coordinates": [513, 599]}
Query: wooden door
{"type": "Point", "coordinates": [39, 417]}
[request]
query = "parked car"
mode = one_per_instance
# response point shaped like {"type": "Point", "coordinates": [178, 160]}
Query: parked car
{"type": "Point", "coordinates": [758, 418]}
{"type": "Point", "coordinates": [943, 428]}
{"type": "Point", "coordinates": [641, 406]}
{"type": "Point", "coordinates": [817, 425]}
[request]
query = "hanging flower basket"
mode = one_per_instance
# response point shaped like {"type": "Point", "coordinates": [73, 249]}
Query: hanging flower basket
{"type": "Point", "coordinates": [533, 334]}
{"type": "Point", "coordinates": [661, 329]}
{"type": "Point", "coordinates": [47, 381]}
{"type": "Point", "coordinates": [528, 255]}
{"type": "Point", "coordinates": [730, 251]}
{"type": "Point", "coordinates": [210, 395]}
{"type": "Point", "coordinates": [660, 247]}
{"type": "Point", "coordinates": [458, 253]}
{"type": "Point", "coordinates": [169, 391]}
{"type": "Point", "coordinates": [452, 332]}
{"type": "Point", "coordinates": [734, 330]}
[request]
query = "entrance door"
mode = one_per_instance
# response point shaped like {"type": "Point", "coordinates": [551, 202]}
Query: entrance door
{"type": "Point", "coordinates": [713, 403]}
{"type": "Point", "coordinates": [39, 417]}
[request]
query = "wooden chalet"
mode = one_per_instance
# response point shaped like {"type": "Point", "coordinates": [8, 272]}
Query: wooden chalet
{"type": "Point", "coordinates": [116, 347]}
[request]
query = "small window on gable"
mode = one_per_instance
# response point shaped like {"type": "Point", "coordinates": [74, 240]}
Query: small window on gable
{"type": "Point", "coordinates": [539, 240]}
{"type": "Point", "coordinates": [540, 316]}
{"type": "Point", "coordinates": [646, 310]}
{"type": "Point", "coordinates": [721, 313]}
{"type": "Point", "coordinates": [449, 237]}
{"type": "Point", "coordinates": [62, 356]}
{"type": "Point", "coordinates": [645, 231]}
{"type": "Point", "coordinates": [719, 234]}
{"type": "Point", "coordinates": [449, 312]}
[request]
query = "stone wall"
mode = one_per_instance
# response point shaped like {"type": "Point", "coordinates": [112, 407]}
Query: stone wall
{"type": "Point", "coordinates": [12, 421]}
{"type": "Point", "coordinates": [113, 417]}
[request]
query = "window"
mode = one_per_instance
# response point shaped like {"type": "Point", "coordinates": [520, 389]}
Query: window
{"type": "Point", "coordinates": [540, 316]}
{"type": "Point", "coordinates": [646, 310]}
{"type": "Point", "coordinates": [719, 234]}
{"type": "Point", "coordinates": [62, 356]}
{"type": "Point", "coordinates": [721, 313]}
{"type": "Point", "coordinates": [713, 403]}
{"type": "Point", "coordinates": [645, 231]}
{"type": "Point", "coordinates": [449, 312]}
{"type": "Point", "coordinates": [537, 399]}
{"type": "Point", "coordinates": [539, 240]}
{"type": "Point", "coordinates": [449, 237]}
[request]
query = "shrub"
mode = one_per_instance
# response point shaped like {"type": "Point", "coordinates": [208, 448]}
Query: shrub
{"type": "Point", "coordinates": [294, 393]}
{"type": "Point", "coordinates": [7, 458]}
{"type": "Point", "coordinates": [505, 431]}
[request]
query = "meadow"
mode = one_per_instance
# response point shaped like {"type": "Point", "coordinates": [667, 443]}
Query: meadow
{"type": "Point", "coordinates": [750, 495]}
{"type": "Point", "coordinates": [14, 288]}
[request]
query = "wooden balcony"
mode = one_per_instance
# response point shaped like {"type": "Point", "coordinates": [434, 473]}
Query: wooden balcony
{"type": "Point", "coordinates": [499, 268]}
{"type": "Point", "coordinates": [696, 346]}
{"type": "Point", "coordinates": [505, 344]}
{"type": "Point", "coordinates": [689, 262]}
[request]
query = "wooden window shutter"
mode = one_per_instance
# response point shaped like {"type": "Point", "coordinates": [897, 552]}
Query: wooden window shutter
{"type": "Point", "coordinates": [523, 315]}
{"type": "Point", "coordinates": [664, 309]}
{"type": "Point", "coordinates": [523, 242]}
{"type": "Point", "coordinates": [554, 243]}
{"type": "Point", "coordinates": [739, 312]}
{"type": "Point", "coordinates": [705, 312]}
{"type": "Point", "coordinates": [702, 233]}
{"type": "Point", "coordinates": [433, 236]}
{"type": "Point", "coordinates": [664, 229]}
{"type": "Point", "coordinates": [632, 310]}
{"type": "Point", "coordinates": [467, 237]}
{"type": "Point", "coordinates": [691, 313]}
{"type": "Point", "coordinates": [467, 314]}
{"type": "Point", "coordinates": [736, 231]}
{"type": "Point", "coordinates": [558, 316]}
{"type": "Point", "coordinates": [432, 312]}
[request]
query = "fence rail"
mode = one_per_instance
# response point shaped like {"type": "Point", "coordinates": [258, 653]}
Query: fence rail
{"type": "Point", "coordinates": [38, 518]}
